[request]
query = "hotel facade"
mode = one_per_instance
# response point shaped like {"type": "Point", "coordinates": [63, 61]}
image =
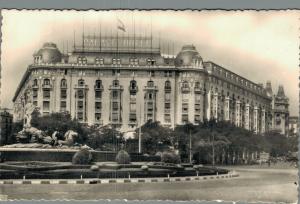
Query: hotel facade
{"type": "Point", "coordinates": [127, 81]}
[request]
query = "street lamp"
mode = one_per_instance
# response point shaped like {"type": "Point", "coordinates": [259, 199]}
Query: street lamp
{"type": "Point", "coordinates": [211, 125]}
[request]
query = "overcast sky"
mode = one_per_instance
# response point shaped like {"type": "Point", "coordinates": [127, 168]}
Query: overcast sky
{"type": "Point", "coordinates": [260, 46]}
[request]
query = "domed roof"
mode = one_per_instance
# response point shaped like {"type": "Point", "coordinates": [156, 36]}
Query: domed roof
{"type": "Point", "coordinates": [49, 53]}
{"type": "Point", "coordinates": [187, 56]}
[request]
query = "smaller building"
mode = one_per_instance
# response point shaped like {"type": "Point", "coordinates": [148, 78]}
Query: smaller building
{"type": "Point", "coordinates": [293, 125]}
{"type": "Point", "coordinates": [6, 120]}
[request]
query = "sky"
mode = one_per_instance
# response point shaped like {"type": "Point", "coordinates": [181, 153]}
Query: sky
{"type": "Point", "coordinates": [258, 45]}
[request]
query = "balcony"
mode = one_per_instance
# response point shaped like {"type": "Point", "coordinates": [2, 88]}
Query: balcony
{"type": "Point", "coordinates": [47, 86]}
{"type": "Point", "coordinates": [35, 86]}
{"type": "Point", "coordinates": [98, 88]}
{"type": "Point", "coordinates": [197, 90]}
{"type": "Point", "coordinates": [81, 86]}
{"type": "Point", "coordinates": [133, 89]}
{"type": "Point", "coordinates": [185, 89]}
{"type": "Point", "coordinates": [168, 89]}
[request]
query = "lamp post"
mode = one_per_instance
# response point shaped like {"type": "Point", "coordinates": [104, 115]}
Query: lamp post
{"type": "Point", "coordinates": [211, 125]}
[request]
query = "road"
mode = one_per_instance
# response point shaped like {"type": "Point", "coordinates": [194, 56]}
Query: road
{"type": "Point", "coordinates": [254, 184]}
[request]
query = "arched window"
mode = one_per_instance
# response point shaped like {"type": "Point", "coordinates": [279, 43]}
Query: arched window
{"type": "Point", "coordinates": [150, 83]}
{"type": "Point", "coordinates": [46, 81]}
{"type": "Point", "coordinates": [197, 84]}
{"type": "Point", "coordinates": [63, 83]}
{"type": "Point", "coordinates": [80, 82]}
{"type": "Point", "coordinates": [81, 60]}
{"type": "Point", "coordinates": [185, 84]}
{"type": "Point", "coordinates": [167, 84]}
{"type": "Point", "coordinates": [132, 84]}
{"type": "Point", "coordinates": [116, 83]}
{"type": "Point", "coordinates": [35, 82]}
{"type": "Point", "coordinates": [98, 84]}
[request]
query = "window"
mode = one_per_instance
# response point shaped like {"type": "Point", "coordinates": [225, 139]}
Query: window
{"type": "Point", "coordinates": [35, 82]}
{"type": "Point", "coordinates": [63, 83]}
{"type": "Point", "coordinates": [132, 117]}
{"type": "Point", "coordinates": [46, 93]}
{"type": "Point", "coordinates": [185, 84]}
{"type": "Point", "coordinates": [150, 61]}
{"type": "Point", "coordinates": [185, 118]}
{"type": "Point", "coordinates": [98, 106]}
{"type": "Point", "coordinates": [150, 106]}
{"type": "Point", "coordinates": [82, 60]}
{"type": "Point", "coordinates": [80, 105]}
{"type": "Point", "coordinates": [80, 82]}
{"type": "Point", "coordinates": [168, 85]}
{"type": "Point", "coordinates": [63, 93]}
{"type": "Point", "coordinates": [98, 84]}
{"type": "Point", "coordinates": [63, 106]}
{"type": "Point", "coordinates": [185, 107]}
{"type": "Point", "coordinates": [133, 61]}
{"type": "Point", "coordinates": [98, 94]}
{"type": "Point", "coordinates": [197, 118]}
{"type": "Point", "coordinates": [116, 83]}
{"type": "Point", "coordinates": [46, 105]}
{"type": "Point", "coordinates": [35, 94]}
{"type": "Point", "coordinates": [115, 117]}
{"type": "Point", "coordinates": [35, 103]}
{"type": "Point", "coordinates": [80, 116]}
{"type": "Point", "coordinates": [167, 106]}
{"type": "Point", "coordinates": [115, 106]}
{"type": "Point", "coordinates": [150, 96]}
{"type": "Point", "coordinates": [150, 83]}
{"type": "Point", "coordinates": [99, 61]}
{"type": "Point", "coordinates": [132, 85]}
{"type": "Point", "coordinates": [167, 118]}
{"type": "Point", "coordinates": [197, 108]}
{"type": "Point", "coordinates": [197, 85]}
{"type": "Point", "coordinates": [115, 94]}
{"type": "Point", "coordinates": [97, 117]}
{"type": "Point", "coordinates": [46, 81]}
{"type": "Point", "coordinates": [80, 94]}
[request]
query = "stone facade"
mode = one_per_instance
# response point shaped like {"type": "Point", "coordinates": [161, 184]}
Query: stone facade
{"type": "Point", "coordinates": [132, 82]}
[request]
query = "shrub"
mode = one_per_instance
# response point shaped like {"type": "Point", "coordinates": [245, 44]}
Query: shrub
{"type": "Point", "coordinates": [83, 156]}
{"type": "Point", "coordinates": [170, 157]}
{"type": "Point", "coordinates": [123, 157]}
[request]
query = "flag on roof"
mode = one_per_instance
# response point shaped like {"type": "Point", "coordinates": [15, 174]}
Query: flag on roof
{"type": "Point", "coordinates": [121, 26]}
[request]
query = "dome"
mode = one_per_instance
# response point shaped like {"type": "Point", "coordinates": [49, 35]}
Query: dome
{"type": "Point", "coordinates": [49, 53]}
{"type": "Point", "coordinates": [188, 56]}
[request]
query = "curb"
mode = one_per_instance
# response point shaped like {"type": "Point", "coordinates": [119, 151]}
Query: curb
{"type": "Point", "coordinates": [110, 181]}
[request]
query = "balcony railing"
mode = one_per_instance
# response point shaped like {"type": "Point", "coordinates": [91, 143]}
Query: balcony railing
{"type": "Point", "coordinates": [185, 89]}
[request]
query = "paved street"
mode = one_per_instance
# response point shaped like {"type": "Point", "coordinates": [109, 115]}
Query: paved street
{"type": "Point", "coordinates": [254, 184]}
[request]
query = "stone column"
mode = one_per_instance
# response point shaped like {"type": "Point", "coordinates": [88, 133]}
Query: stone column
{"type": "Point", "coordinates": [263, 120]}
{"type": "Point", "coordinates": [227, 108]}
{"type": "Point", "coordinates": [255, 114]}
{"type": "Point", "coordinates": [247, 116]}
{"type": "Point", "coordinates": [215, 105]}
{"type": "Point", "coordinates": [237, 113]}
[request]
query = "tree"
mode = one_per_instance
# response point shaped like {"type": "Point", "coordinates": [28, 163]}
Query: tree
{"type": "Point", "coordinates": [61, 122]}
{"type": "Point", "coordinates": [105, 138]}
{"type": "Point", "coordinates": [156, 138]}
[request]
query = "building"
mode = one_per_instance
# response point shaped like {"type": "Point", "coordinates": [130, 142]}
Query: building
{"type": "Point", "coordinates": [293, 125]}
{"type": "Point", "coordinates": [280, 109]}
{"type": "Point", "coordinates": [5, 127]}
{"type": "Point", "coordinates": [126, 81]}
